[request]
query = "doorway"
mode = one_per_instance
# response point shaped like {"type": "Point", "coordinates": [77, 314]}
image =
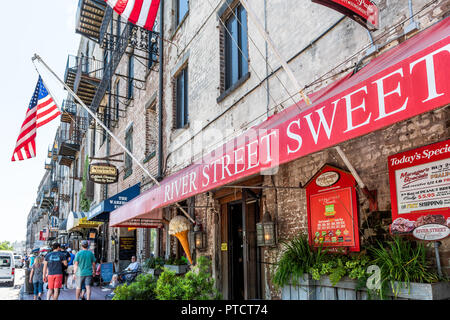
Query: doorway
{"type": "Point", "coordinates": [244, 281]}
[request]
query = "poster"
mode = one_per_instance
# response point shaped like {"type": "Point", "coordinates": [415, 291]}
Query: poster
{"type": "Point", "coordinates": [332, 218]}
{"type": "Point", "coordinates": [127, 248]}
{"type": "Point", "coordinates": [332, 209]}
{"type": "Point", "coordinates": [420, 188]}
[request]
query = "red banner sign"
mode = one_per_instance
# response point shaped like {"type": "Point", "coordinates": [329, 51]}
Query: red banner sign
{"type": "Point", "coordinates": [409, 80]}
{"type": "Point", "coordinates": [362, 11]}
{"type": "Point", "coordinates": [332, 209]}
{"type": "Point", "coordinates": [420, 188]}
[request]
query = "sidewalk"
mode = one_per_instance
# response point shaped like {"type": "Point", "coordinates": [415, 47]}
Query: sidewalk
{"type": "Point", "coordinates": [97, 293]}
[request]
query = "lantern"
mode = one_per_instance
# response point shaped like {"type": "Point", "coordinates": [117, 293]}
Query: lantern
{"type": "Point", "coordinates": [265, 230]}
{"type": "Point", "coordinates": [199, 237]}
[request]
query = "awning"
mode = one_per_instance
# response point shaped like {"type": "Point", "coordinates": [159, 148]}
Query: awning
{"type": "Point", "coordinates": [72, 220]}
{"type": "Point", "coordinates": [83, 223]}
{"type": "Point", "coordinates": [101, 211]}
{"type": "Point", "coordinates": [78, 220]}
{"type": "Point", "coordinates": [410, 79]}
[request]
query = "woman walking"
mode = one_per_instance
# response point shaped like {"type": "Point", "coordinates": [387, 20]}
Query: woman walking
{"type": "Point", "coordinates": [36, 277]}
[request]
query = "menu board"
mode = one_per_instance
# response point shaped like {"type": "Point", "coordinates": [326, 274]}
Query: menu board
{"type": "Point", "coordinates": [127, 248]}
{"type": "Point", "coordinates": [332, 209]}
{"type": "Point", "coordinates": [106, 271]}
{"type": "Point", "coordinates": [332, 218]}
{"type": "Point", "coordinates": [420, 188]}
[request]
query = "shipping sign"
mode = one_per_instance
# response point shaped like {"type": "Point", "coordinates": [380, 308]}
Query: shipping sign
{"type": "Point", "coordinates": [420, 188]}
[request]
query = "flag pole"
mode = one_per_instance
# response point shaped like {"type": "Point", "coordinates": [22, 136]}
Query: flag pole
{"type": "Point", "coordinates": [289, 72]}
{"type": "Point", "coordinates": [37, 57]}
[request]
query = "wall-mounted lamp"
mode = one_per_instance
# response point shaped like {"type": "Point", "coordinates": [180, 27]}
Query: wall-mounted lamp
{"type": "Point", "coordinates": [265, 230]}
{"type": "Point", "coordinates": [199, 237]}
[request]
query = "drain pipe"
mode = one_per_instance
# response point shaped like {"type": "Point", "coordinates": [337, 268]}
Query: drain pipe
{"type": "Point", "coordinates": [161, 88]}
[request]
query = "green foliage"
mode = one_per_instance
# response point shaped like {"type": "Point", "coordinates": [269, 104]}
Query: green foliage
{"type": "Point", "coordinates": [169, 286]}
{"type": "Point", "coordinates": [141, 289]}
{"type": "Point", "coordinates": [297, 259]}
{"type": "Point", "coordinates": [6, 245]}
{"type": "Point", "coordinates": [177, 262]}
{"type": "Point", "coordinates": [402, 261]}
{"type": "Point", "coordinates": [196, 284]}
{"type": "Point", "coordinates": [153, 263]}
{"type": "Point", "coordinates": [337, 265]}
{"type": "Point", "coordinates": [85, 203]}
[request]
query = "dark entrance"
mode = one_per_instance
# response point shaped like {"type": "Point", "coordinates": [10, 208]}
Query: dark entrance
{"type": "Point", "coordinates": [236, 252]}
{"type": "Point", "coordinates": [244, 256]}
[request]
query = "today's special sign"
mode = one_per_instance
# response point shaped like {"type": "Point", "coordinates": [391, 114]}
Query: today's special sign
{"type": "Point", "coordinates": [420, 187]}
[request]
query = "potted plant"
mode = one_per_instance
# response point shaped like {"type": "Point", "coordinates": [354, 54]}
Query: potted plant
{"type": "Point", "coordinates": [179, 266]}
{"type": "Point", "coordinates": [154, 266]}
{"type": "Point", "coordinates": [404, 272]}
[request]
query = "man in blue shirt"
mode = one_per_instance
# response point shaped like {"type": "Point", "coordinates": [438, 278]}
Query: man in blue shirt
{"type": "Point", "coordinates": [53, 271]}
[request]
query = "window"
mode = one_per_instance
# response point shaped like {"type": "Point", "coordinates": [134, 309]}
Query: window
{"type": "Point", "coordinates": [130, 75]}
{"type": "Point", "coordinates": [181, 10]}
{"type": "Point", "coordinates": [181, 103]}
{"type": "Point", "coordinates": [129, 145]}
{"type": "Point", "coordinates": [236, 46]}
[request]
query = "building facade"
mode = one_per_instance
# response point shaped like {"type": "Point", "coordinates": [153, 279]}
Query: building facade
{"type": "Point", "coordinates": [197, 103]}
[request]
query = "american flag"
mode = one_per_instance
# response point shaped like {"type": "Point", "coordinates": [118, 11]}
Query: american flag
{"type": "Point", "coordinates": [42, 109]}
{"type": "Point", "coordinates": [139, 12]}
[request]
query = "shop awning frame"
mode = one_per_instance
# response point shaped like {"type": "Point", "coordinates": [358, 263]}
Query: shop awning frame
{"type": "Point", "coordinates": [395, 86]}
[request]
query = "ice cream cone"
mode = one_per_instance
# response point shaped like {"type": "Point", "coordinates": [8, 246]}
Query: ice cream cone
{"type": "Point", "coordinates": [183, 238]}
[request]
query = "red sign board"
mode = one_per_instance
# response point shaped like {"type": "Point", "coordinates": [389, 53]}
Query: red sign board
{"type": "Point", "coordinates": [420, 188]}
{"type": "Point", "coordinates": [332, 209]}
{"type": "Point", "coordinates": [408, 80]}
{"type": "Point", "coordinates": [364, 12]}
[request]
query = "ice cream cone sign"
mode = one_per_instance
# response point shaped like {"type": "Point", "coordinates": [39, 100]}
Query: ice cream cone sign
{"type": "Point", "coordinates": [179, 227]}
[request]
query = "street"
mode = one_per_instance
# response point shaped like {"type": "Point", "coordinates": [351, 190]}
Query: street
{"type": "Point", "coordinates": [19, 293]}
{"type": "Point", "coordinates": [13, 293]}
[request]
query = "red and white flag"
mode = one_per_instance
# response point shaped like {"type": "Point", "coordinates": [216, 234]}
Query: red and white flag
{"type": "Point", "coordinates": [42, 110]}
{"type": "Point", "coordinates": [139, 12]}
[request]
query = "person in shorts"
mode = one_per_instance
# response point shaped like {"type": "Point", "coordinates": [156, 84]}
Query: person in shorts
{"type": "Point", "coordinates": [53, 271]}
{"type": "Point", "coordinates": [84, 268]}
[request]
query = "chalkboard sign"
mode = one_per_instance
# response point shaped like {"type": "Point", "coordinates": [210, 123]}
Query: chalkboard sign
{"type": "Point", "coordinates": [127, 248]}
{"type": "Point", "coordinates": [106, 271]}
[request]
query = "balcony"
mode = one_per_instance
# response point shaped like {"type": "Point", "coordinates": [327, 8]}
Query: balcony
{"type": "Point", "coordinates": [49, 164]}
{"type": "Point", "coordinates": [70, 139]}
{"type": "Point", "coordinates": [83, 75]}
{"type": "Point", "coordinates": [69, 111]}
{"type": "Point", "coordinates": [89, 18]}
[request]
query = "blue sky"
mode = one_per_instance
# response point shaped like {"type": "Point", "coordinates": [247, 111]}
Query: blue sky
{"type": "Point", "coordinates": [45, 27]}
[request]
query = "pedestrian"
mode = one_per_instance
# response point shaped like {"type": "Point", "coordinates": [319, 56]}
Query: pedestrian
{"type": "Point", "coordinates": [65, 273]}
{"type": "Point", "coordinates": [84, 268]}
{"type": "Point", "coordinates": [70, 266]}
{"type": "Point", "coordinates": [36, 277]}
{"type": "Point", "coordinates": [53, 271]}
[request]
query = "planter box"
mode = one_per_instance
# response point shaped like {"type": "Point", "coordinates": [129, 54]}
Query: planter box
{"type": "Point", "coordinates": [154, 272]}
{"type": "Point", "coordinates": [347, 289]}
{"type": "Point", "coordinates": [178, 269]}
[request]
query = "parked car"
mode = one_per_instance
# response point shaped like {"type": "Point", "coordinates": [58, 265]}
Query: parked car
{"type": "Point", "coordinates": [18, 261]}
{"type": "Point", "coordinates": [7, 268]}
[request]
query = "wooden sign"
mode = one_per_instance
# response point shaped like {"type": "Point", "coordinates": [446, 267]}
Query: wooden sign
{"type": "Point", "coordinates": [103, 173]}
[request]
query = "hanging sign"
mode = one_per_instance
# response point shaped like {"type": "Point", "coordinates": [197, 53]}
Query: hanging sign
{"type": "Point", "coordinates": [332, 209]}
{"type": "Point", "coordinates": [420, 187]}
{"type": "Point", "coordinates": [365, 12]}
{"type": "Point", "coordinates": [103, 173]}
